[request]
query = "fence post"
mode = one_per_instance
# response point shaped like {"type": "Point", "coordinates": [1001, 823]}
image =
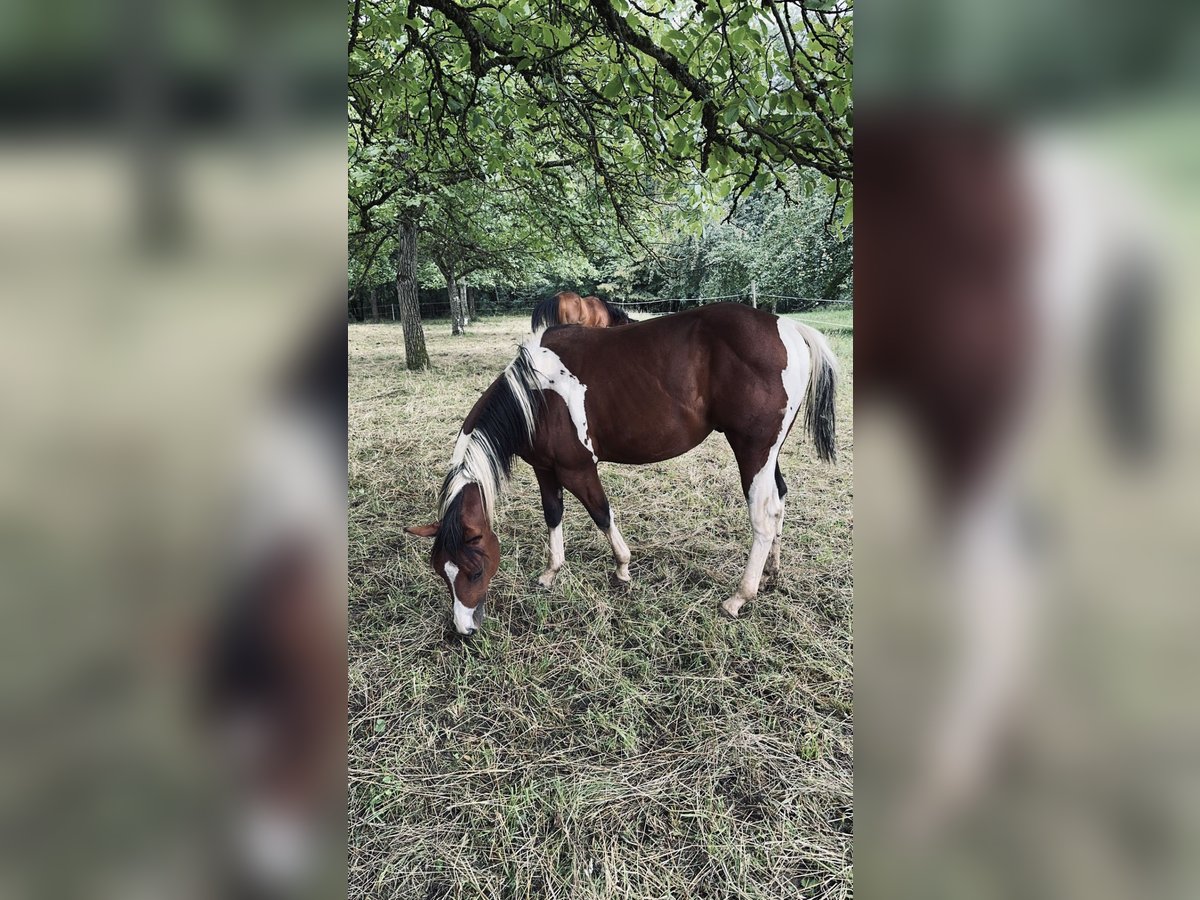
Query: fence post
{"type": "Point", "coordinates": [754, 294]}
{"type": "Point", "coordinates": [393, 312]}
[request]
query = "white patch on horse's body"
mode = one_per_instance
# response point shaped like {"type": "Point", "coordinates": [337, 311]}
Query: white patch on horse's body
{"type": "Point", "coordinates": [553, 375]}
{"type": "Point", "coordinates": [557, 556]}
{"type": "Point", "coordinates": [463, 615]}
{"type": "Point", "coordinates": [766, 506]}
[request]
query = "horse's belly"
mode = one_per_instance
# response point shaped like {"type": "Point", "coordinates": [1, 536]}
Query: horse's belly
{"type": "Point", "coordinates": [650, 446]}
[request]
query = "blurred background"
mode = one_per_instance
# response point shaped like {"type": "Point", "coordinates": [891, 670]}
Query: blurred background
{"type": "Point", "coordinates": [1026, 179]}
{"type": "Point", "coordinates": [172, 454]}
{"type": "Point", "coordinates": [172, 458]}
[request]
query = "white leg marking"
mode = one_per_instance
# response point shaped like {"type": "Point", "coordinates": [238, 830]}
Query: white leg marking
{"type": "Point", "coordinates": [557, 556]}
{"type": "Point", "coordinates": [463, 615]}
{"type": "Point", "coordinates": [619, 549]}
{"type": "Point", "coordinates": [553, 375]}
{"type": "Point", "coordinates": [766, 506]}
{"type": "Point", "coordinates": [773, 559]}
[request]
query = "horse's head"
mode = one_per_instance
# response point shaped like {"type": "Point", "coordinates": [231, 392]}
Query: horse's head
{"type": "Point", "coordinates": [466, 554]}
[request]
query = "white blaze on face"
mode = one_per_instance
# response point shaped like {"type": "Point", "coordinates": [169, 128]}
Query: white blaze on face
{"type": "Point", "coordinates": [463, 615]}
{"type": "Point", "coordinates": [553, 375]}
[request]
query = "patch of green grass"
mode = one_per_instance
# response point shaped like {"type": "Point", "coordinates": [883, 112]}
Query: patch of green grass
{"type": "Point", "coordinates": [592, 742]}
{"type": "Point", "coordinates": [830, 318]}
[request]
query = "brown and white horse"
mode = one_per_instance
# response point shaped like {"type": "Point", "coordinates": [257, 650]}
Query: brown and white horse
{"type": "Point", "coordinates": [568, 308]}
{"type": "Point", "coordinates": [652, 391]}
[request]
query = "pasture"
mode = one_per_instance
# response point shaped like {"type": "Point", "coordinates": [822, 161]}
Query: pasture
{"type": "Point", "coordinates": [592, 742]}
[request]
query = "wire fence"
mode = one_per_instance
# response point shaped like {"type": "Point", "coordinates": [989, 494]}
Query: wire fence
{"type": "Point", "coordinates": [778, 303]}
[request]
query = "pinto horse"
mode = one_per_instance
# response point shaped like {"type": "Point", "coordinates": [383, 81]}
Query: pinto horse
{"type": "Point", "coordinates": [568, 308]}
{"type": "Point", "coordinates": [574, 397]}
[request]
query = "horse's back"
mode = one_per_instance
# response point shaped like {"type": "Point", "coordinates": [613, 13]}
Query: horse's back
{"type": "Point", "coordinates": [706, 326]}
{"type": "Point", "coordinates": [680, 376]}
{"type": "Point", "coordinates": [710, 351]}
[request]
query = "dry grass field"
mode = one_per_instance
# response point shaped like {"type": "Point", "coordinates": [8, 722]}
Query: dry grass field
{"type": "Point", "coordinates": [590, 742]}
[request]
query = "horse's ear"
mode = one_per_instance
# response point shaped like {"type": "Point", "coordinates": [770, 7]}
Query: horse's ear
{"type": "Point", "coordinates": [424, 530]}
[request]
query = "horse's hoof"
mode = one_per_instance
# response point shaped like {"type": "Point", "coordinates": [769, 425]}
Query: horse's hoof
{"type": "Point", "coordinates": [732, 607]}
{"type": "Point", "coordinates": [546, 581]}
{"type": "Point", "coordinates": [620, 584]}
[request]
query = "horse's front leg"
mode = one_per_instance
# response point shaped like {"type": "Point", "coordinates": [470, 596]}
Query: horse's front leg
{"type": "Point", "coordinates": [552, 508]}
{"type": "Point", "coordinates": [585, 484]}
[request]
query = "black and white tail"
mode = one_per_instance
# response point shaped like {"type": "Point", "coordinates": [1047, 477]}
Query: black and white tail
{"type": "Point", "coordinates": [820, 417]}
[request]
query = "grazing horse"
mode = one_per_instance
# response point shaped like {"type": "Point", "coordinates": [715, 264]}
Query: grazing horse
{"type": "Point", "coordinates": [576, 396]}
{"type": "Point", "coordinates": [568, 308]}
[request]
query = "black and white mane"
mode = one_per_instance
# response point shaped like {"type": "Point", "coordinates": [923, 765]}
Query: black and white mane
{"type": "Point", "coordinates": [501, 425]}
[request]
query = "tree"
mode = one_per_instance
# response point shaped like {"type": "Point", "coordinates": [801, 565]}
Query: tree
{"type": "Point", "coordinates": [595, 115]}
{"type": "Point", "coordinates": [481, 229]}
{"type": "Point", "coordinates": [415, 354]}
{"type": "Point", "coordinates": [785, 247]}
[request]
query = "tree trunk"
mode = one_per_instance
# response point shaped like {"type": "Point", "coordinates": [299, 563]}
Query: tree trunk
{"type": "Point", "coordinates": [471, 304]}
{"type": "Point", "coordinates": [456, 317]}
{"type": "Point", "coordinates": [374, 295]}
{"type": "Point", "coordinates": [462, 302]}
{"type": "Point", "coordinates": [415, 355]}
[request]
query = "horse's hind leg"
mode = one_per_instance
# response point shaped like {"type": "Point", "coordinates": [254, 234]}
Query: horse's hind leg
{"type": "Point", "coordinates": [552, 508]}
{"type": "Point", "coordinates": [758, 467]}
{"type": "Point", "coordinates": [772, 566]}
{"type": "Point", "coordinates": [585, 484]}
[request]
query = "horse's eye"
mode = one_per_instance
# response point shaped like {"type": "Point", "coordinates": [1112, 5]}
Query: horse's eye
{"type": "Point", "coordinates": [475, 577]}
{"type": "Point", "coordinates": [475, 540]}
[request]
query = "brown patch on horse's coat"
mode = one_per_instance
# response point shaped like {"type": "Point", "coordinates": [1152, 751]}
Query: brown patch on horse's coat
{"type": "Point", "coordinates": [656, 391]}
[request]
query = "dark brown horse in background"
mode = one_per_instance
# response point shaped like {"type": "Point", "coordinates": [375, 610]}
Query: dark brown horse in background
{"type": "Point", "coordinates": [568, 308]}
{"type": "Point", "coordinates": [649, 392]}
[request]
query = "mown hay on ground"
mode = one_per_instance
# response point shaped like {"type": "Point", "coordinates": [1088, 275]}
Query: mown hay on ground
{"type": "Point", "coordinates": [590, 742]}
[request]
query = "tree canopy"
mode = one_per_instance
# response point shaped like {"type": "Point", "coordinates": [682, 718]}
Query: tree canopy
{"type": "Point", "coordinates": [548, 126]}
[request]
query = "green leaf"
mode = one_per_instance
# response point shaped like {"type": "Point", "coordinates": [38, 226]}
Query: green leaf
{"type": "Point", "coordinates": [613, 87]}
